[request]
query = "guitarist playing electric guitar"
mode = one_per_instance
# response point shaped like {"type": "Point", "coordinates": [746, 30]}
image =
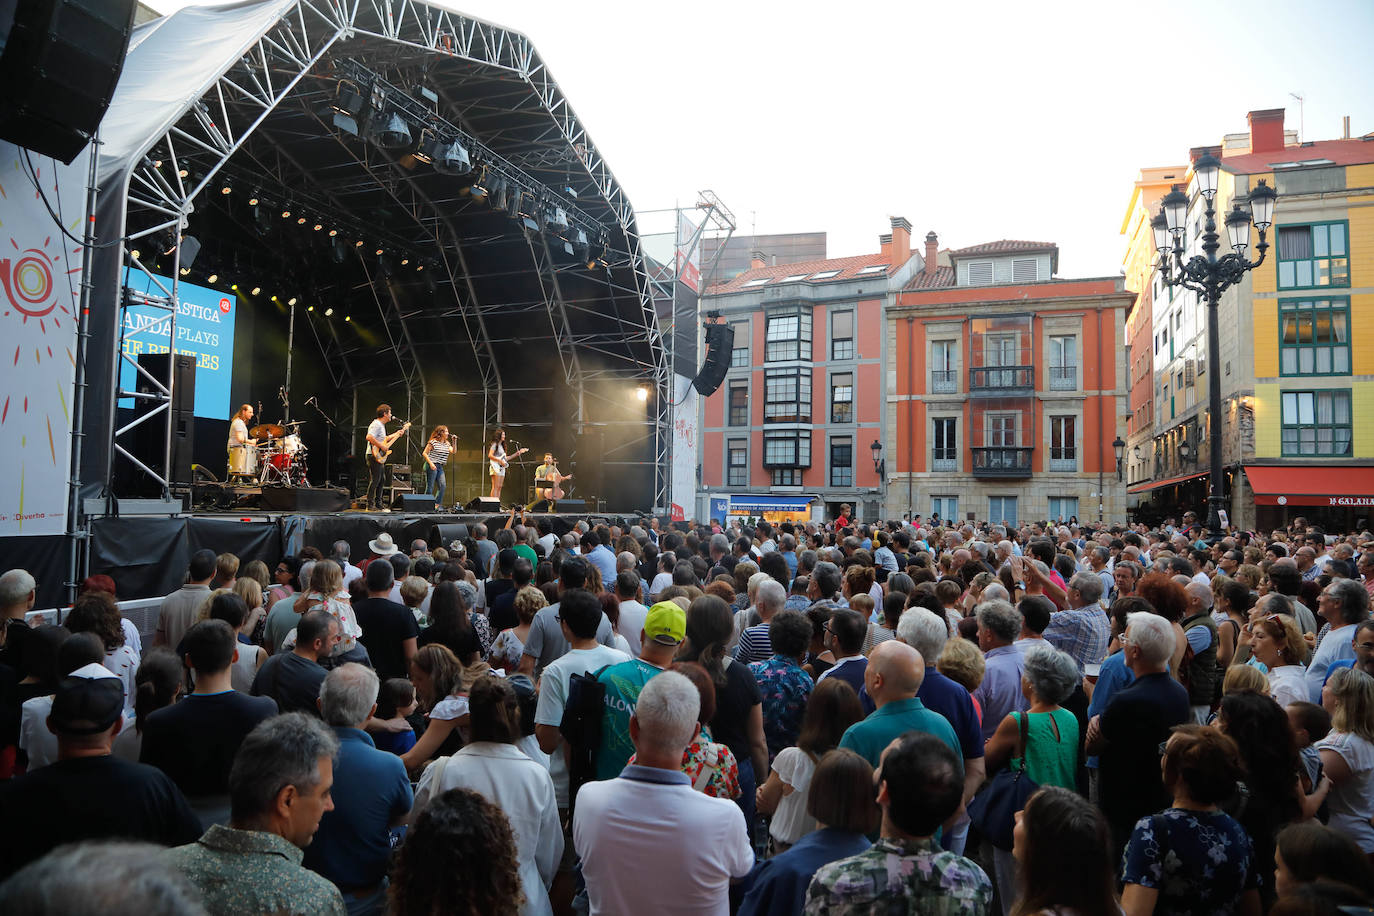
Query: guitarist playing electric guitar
{"type": "Point", "coordinates": [378, 448]}
{"type": "Point", "coordinates": [499, 461]}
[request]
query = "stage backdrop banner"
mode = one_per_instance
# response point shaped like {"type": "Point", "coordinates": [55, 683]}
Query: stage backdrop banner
{"type": "Point", "coordinates": [685, 457]}
{"type": "Point", "coordinates": [205, 330]}
{"type": "Point", "coordinates": [40, 276]}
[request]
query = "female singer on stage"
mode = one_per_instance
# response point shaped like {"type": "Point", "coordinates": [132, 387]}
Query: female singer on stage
{"type": "Point", "coordinates": [499, 461]}
{"type": "Point", "coordinates": [436, 454]}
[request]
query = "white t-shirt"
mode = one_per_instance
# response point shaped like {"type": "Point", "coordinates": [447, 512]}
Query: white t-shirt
{"type": "Point", "coordinates": [376, 430]}
{"type": "Point", "coordinates": [1352, 802]}
{"type": "Point", "coordinates": [553, 695]}
{"type": "Point", "coordinates": [632, 617]}
{"type": "Point", "coordinates": [791, 822]}
{"type": "Point", "coordinates": [661, 581]}
{"type": "Point", "coordinates": [238, 432]}
{"type": "Point", "coordinates": [548, 542]}
{"type": "Point", "coordinates": [1286, 683]}
{"type": "Point", "coordinates": [625, 830]}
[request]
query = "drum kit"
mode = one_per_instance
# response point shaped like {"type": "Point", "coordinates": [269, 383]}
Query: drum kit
{"type": "Point", "coordinates": [278, 459]}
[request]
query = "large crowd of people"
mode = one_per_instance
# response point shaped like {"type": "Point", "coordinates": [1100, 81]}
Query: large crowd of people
{"type": "Point", "coordinates": [824, 717]}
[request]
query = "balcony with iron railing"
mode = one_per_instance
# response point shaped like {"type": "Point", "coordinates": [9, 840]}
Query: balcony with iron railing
{"type": "Point", "coordinates": [1001, 380]}
{"type": "Point", "coordinates": [1001, 461]}
{"type": "Point", "coordinates": [1063, 378]}
{"type": "Point", "coordinates": [944, 381]}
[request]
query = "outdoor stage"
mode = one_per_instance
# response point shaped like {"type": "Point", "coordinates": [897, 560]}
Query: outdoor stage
{"type": "Point", "coordinates": [147, 555]}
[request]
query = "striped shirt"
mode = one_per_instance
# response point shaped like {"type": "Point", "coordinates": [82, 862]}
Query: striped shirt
{"type": "Point", "coordinates": [439, 451]}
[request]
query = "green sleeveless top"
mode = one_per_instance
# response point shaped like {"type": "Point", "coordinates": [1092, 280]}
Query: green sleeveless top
{"type": "Point", "coordinates": [1051, 760]}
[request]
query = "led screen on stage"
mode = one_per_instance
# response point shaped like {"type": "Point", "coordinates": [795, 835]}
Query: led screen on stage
{"type": "Point", "coordinates": [204, 329]}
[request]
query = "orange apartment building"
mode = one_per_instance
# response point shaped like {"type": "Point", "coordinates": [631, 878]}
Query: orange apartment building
{"type": "Point", "coordinates": [1007, 387]}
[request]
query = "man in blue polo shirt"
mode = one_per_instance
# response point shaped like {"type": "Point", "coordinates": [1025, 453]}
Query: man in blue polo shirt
{"type": "Point", "coordinates": [893, 676]}
{"type": "Point", "coordinates": [371, 795]}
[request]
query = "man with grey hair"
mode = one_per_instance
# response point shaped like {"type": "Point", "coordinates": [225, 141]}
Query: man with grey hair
{"type": "Point", "coordinates": [339, 553]}
{"type": "Point", "coordinates": [999, 624]}
{"type": "Point", "coordinates": [1126, 735]}
{"type": "Point", "coordinates": [1084, 629]}
{"type": "Point", "coordinates": [719, 551]}
{"type": "Point", "coordinates": [279, 788]}
{"type": "Point", "coordinates": [927, 633]}
{"type": "Point", "coordinates": [825, 584]}
{"type": "Point", "coordinates": [101, 877]}
{"type": "Point", "coordinates": [18, 592]}
{"type": "Point", "coordinates": [1343, 604]}
{"type": "Point", "coordinates": [1100, 559]}
{"type": "Point", "coordinates": [754, 645]}
{"type": "Point", "coordinates": [371, 794]}
{"type": "Point", "coordinates": [703, 838]}
{"type": "Point", "coordinates": [486, 549]}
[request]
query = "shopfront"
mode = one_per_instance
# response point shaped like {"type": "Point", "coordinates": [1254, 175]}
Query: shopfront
{"type": "Point", "coordinates": [1337, 498]}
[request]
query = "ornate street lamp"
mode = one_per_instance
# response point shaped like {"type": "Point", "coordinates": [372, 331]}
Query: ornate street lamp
{"type": "Point", "coordinates": [879, 465]}
{"type": "Point", "coordinates": [1119, 447]}
{"type": "Point", "coordinates": [1210, 275]}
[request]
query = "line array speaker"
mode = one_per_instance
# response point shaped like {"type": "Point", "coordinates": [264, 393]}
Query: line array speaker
{"type": "Point", "coordinates": [720, 340]}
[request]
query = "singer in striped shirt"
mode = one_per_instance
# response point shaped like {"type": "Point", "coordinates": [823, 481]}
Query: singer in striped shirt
{"type": "Point", "coordinates": [436, 454]}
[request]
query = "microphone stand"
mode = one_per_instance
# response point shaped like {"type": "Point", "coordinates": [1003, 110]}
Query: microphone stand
{"type": "Point", "coordinates": [328, 441]}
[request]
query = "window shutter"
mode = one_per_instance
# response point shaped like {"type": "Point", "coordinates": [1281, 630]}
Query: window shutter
{"type": "Point", "coordinates": [1025, 270]}
{"type": "Point", "coordinates": [979, 273]}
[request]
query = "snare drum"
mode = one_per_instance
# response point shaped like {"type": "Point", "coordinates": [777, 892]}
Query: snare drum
{"type": "Point", "coordinates": [281, 461]}
{"type": "Point", "coordinates": [291, 444]}
{"type": "Point", "coordinates": [243, 460]}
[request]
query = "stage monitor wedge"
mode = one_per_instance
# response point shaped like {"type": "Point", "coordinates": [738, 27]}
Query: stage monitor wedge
{"type": "Point", "coordinates": [61, 61]}
{"type": "Point", "coordinates": [483, 504]}
{"type": "Point", "coordinates": [720, 341]}
{"type": "Point", "coordinates": [417, 502]}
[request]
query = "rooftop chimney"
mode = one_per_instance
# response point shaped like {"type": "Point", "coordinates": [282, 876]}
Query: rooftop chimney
{"type": "Point", "coordinates": [757, 259]}
{"type": "Point", "coordinates": [1266, 130]}
{"type": "Point", "coordinates": [901, 240]}
{"type": "Point", "coordinates": [885, 245]}
{"type": "Point", "coordinates": [1345, 127]}
{"type": "Point", "coordinates": [932, 252]}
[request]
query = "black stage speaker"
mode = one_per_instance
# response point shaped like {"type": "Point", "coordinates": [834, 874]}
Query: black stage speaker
{"type": "Point", "coordinates": [149, 438]}
{"type": "Point", "coordinates": [720, 340]}
{"type": "Point", "coordinates": [304, 499]}
{"type": "Point", "coordinates": [417, 502]}
{"type": "Point", "coordinates": [60, 64]}
{"type": "Point", "coordinates": [571, 505]}
{"type": "Point", "coordinates": [483, 504]}
{"type": "Point", "coordinates": [443, 535]}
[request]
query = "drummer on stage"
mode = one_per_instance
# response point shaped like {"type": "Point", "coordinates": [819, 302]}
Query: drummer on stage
{"type": "Point", "coordinates": [436, 454]}
{"type": "Point", "coordinates": [238, 439]}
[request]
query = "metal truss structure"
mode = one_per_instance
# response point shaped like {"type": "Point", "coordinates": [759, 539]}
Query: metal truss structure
{"type": "Point", "coordinates": [263, 120]}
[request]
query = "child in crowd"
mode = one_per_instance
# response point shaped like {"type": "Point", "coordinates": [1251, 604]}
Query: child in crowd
{"type": "Point", "coordinates": [1310, 724]}
{"type": "Point", "coordinates": [395, 703]}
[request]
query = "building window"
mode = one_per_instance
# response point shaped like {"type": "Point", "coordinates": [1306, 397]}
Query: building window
{"type": "Point", "coordinates": [842, 397]}
{"type": "Point", "coordinates": [1063, 363]}
{"type": "Point", "coordinates": [788, 337]}
{"type": "Point", "coordinates": [1001, 429]}
{"type": "Point", "coordinates": [842, 335]}
{"type": "Point", "coordinates": [787, 449]}
{"type": "Point", "coordinates": [1314, 255]}
{"type": "Point", "coordinates": [979, 273]}
{"type": "Point", "coordinates": [944, 362]}
{"type": "Point", "coordinates": [1314, 337]}
{"type": "Point", "coordinates": [1063, 444]}
{"type": "Point", "coordinates": [1002, 510]}
{"type": "Point", "coordinates": [945, 435]}
{"type": "Point", "coordinates": [1063, 508]}
{"type": "Point", "coordinates": [945, 508]}
{"type": "Point", "coordinates": [739, 354]}
{"type": "Point", "coordinates": [1025, 270]}
{"type": "Point", "coordinates": [1316, 422]}
{"type": "Point", "coordinates": [739, 405]}
{"type": "Point", "coordinates": [842, 461]}
{"type": "Point", "coordinates": [737, 463]}
{"type": "Point", "coordinates": [786, 477]}
{"type": "Point", "coordinates": [787, 396]}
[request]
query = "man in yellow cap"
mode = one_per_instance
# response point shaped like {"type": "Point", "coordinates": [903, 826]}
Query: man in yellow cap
{"type": "Point", "coordinates": [665, 627]}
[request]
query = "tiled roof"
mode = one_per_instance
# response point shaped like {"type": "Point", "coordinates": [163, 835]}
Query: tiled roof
{"type": "Point", "coordinates": [1003, 246]}
{"type": "Point", "coordinates": [943, 276]}
{"type": "Point", "coordinates": [848, 269]}
{"type": "Point", "coordinates": [1341, 152]}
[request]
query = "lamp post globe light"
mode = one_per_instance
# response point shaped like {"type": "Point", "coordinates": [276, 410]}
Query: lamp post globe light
{"type": "Point", "coordinates": [1210, 275]}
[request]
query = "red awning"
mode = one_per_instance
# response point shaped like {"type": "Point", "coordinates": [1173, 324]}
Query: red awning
{"type": "Point", "coordinates": [1156, 484]}
{"type": "Point", "coordinates": [1311, 485]}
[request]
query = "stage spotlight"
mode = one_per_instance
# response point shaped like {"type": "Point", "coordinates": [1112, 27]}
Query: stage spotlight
{"type": "Point", "coordinates": [346, 123]}
{"type": "Point", "coordinates": [452, 159]}
{"type": "Point", "coordinates": [286, 214]}
{"type": "Point", "coordinates": [347, 100]}
{"type": "Point", "coordinates": [291, 301]}
{"type": "Point", "coordinates": [499, 196]}
{"type": "Point", "coordinates": [182, 173]}
{"type": "Point", "coordinates": [135, 254]}
{"type": "Point", "coordinates": [642, 393]}
{"type": "Point", "coordinates": [419, 267]}
{"type": "Point", "coordinates": [233, 286]}
{"type": "Point", "coordinates": [212, 278]}
{"type": "Point", "coordinates": [333, 232]}
{"type": "Point", "coordinates": [379, 251]}
{"type": "Point", "coordinates": [328, 313]}
{"type": "Point", "coordinates": [258, 289]}
{"type": "Point", "coordinates": [358, 244]}
{"type": "Point", "coordinates": [348, 318]}
{"type": "Point", "coordinates": [310, 308]}
{"type": "Point", "coordinates": [405, 261]}
{"type": "Point", "coordinates": [253, 201]}
{"type": "Point", "coordinates": [226, 190]}
{"type": "Point", "coordinates": [393, 133]}
{"type": "Point", "coordinates": [300, 221]}
{"type": "Point", "coordinates": [274, 298]}
{"type": "Point", "coordinates": [185, 271]}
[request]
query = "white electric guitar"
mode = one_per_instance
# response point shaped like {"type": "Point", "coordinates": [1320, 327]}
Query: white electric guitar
{"type": "Point", "coordinates": [380, 455]}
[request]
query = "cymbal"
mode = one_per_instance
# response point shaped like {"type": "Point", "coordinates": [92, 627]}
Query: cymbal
{"type": "Point", "coordinates": [266, 431]}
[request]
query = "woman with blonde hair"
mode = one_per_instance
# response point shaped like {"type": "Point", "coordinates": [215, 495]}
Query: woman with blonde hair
{"type": "Point", "coordinates": [1348, 754]}
{"type": "Point", "coordinates": [326, 593]}
{"type": "Point", "coordinates": [1244, 677]}
{"type": "Point", "coordinates": [1277, 642]}
{"type": "Point", "coordinates": [509, 644]}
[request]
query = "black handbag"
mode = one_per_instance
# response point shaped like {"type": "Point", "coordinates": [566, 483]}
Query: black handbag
{"type": "Point", "coordinates": [993, 810]}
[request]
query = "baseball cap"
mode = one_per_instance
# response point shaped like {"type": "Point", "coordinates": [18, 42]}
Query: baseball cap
{"type": "Point", "coordinates": [88, 701]}
{"type": "Point", "coordinates": [666, 623]}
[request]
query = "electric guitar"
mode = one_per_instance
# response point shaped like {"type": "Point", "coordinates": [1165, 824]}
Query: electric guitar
{"type": "Point", "coordinates": [380, 455]}
{"type": "Point", "coordinates": [499, 465]}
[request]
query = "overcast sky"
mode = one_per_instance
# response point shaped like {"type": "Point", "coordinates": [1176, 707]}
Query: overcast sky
{"type": "Point", "coordinates": [979, 120]}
